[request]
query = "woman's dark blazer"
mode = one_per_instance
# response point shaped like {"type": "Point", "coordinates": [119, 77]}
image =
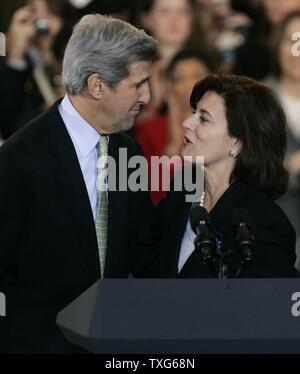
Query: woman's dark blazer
{"type": "Point", "coordinates": [274, 252]}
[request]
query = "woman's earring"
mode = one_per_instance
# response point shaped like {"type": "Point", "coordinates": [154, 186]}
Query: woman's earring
{"type": "Point", "coordinates": [233, 153]}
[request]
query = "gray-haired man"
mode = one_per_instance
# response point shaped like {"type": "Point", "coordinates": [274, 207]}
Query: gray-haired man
{"type": "Point", "coordinates": [59, 232]}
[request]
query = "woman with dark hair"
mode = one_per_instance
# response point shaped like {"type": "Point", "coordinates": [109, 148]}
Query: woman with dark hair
{"type": "Point", "coordinates": [238, 126]}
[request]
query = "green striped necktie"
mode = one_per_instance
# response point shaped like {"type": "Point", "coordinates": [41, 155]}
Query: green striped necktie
{"type": "Point", "coordinates": [101, 220]}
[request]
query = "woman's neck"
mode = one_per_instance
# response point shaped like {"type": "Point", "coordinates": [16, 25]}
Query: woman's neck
{"type": "Point", "coordinates": [167, 50]}
{"type": "Point", "coordinates": [291, 86]}
{"type": "Point", "coordinates": [216, 183]}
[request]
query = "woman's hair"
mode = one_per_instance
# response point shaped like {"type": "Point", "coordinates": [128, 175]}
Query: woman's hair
{"type": "Point", "coordinates": [103, 45]}
{"type": "Point", "coordinates": [256, 118]}
{"type": "Point", "coordinates": [276, 68]}
{"type": "Point", "coordinates": [188, 54]}
{"type": "Point", "coordinates": [61, 8]}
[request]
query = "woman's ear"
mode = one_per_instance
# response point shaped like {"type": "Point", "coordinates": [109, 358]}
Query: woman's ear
{"type": "Point", "coordinates": [95, 86]}
{"type": "Point", "coordinates": [235, 148]}
{"type": "Point", "coordinates": [237, 145]}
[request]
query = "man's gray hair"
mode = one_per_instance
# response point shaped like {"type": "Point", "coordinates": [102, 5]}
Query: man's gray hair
{"type": "Point", "coordinates": [103, 45]}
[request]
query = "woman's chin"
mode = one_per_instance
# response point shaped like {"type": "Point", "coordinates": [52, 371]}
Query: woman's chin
{"type": "Point", "coordinates": [186, 151]}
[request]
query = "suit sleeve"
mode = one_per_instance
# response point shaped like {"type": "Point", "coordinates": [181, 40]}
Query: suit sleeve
{"type": "Point", "coordinates": [12, 215]}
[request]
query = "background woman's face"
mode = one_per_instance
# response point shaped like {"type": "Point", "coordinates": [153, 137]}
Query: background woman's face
{"type": "Point", "coordinates": [277, 9]}
{"type": "Point", "coordinates": [290, 65]}
{"type": "Point", "coordinates": [206, 132]}
{"type": "Point", "coordinates": [185, 74]}
{"type": "Point", "coordinates": [170, 21]}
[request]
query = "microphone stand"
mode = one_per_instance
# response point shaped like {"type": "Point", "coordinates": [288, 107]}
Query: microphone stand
{"type": "Point", "coordinates": [223, 270]}
{"type": "Point", "coordinates": [245, 261]}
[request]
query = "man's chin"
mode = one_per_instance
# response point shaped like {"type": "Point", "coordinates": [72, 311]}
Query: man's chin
{"type": "Point", "coordinates": [128, 125]}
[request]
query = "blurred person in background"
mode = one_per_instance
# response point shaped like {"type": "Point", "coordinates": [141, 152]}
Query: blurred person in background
{"type": "Point", "coordinates": [277, 10]}
{"type": "Point", "coordinates": [285, 82]}
{"type": "Point", "coordinates": [163, 134]}
{"type": "Point", "coordinates": [225, 28]}
{"type": "Point", "coordinates": [30, 72]}
{"type": "Point", "coordinates": [121, 9]}
{"type": "Point", "coordinates": [174, 25]}
{"type": "Point", "coordinates": [254, 58]}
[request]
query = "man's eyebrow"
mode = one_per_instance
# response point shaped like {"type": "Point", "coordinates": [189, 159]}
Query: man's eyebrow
{"type": "Point", "coordinates": [144, 80]}
{"type": "Point", "coordinates": [204, 111]}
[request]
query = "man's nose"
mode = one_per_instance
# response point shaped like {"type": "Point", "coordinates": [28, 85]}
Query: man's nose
{"type": "Point", "coordinates": [145, 94]}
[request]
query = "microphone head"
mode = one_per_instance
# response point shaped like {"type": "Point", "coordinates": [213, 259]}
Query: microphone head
{"type": "Point", "coordinates": [240, 215]}
{"type": "Point", "coordinates": [240, 219]}
{"type": "Point", "coordinates": [197, 214]}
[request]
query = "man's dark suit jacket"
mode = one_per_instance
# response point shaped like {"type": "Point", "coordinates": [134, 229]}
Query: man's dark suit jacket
{"type": "Point", "coordinates": [48, 245]}
{"type": "Point", "coordinates": [274, 253]}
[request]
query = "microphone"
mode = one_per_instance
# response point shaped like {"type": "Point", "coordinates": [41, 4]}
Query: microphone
{"type": "Point", "coordinates": [205, 241]}
{"type": "Point", "coordinates": [240, 219]}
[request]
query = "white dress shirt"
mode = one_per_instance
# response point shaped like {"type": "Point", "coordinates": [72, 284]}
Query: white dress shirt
{"type": "Point", "coordinates": [187, 245]}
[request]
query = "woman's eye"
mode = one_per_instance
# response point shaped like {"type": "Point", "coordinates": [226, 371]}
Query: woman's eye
{"type": "Point", "coordinates": [202, 119]}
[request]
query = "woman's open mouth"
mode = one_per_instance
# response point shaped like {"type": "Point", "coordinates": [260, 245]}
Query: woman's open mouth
{"type": "Point", "coordinates": [187, 140]}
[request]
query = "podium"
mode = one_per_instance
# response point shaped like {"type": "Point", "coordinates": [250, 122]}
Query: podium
{"type": "Point", "coordinates": [186, 316]}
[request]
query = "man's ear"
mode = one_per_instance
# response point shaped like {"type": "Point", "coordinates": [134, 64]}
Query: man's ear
{"type": "Point", "coordinates": [95, 86]}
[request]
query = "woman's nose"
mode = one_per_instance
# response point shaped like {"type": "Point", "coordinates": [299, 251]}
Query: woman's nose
{"type": "Point", "coordinates": [189, 123]}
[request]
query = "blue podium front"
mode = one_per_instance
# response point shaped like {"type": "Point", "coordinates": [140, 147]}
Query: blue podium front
{"type": "Point", "coordinates": [186, 316]}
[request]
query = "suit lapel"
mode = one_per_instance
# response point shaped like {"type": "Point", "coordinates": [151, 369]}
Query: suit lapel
{"type": "Point", "coordinates": [232, 198]}
{"type": "Point", "coordinates": [70, 182]}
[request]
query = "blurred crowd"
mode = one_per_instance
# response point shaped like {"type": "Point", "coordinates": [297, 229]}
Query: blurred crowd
{"type": "Point", "coordinates": [195, 37]}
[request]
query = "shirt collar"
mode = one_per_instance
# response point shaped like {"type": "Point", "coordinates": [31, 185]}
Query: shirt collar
{"type": "Point", "coordinates": [84, 135]}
